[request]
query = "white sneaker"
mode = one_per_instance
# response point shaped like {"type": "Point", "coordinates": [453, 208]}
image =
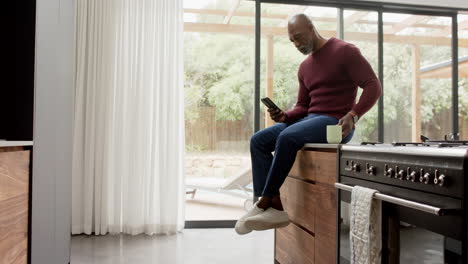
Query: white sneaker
{"type": "Point", "coordinates": [240, 226]}
{"type": "Point", "coordinates": [269, 219]}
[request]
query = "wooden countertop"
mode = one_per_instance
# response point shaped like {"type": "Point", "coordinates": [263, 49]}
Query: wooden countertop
{"type": "Point", "coordinates": [5, 143]}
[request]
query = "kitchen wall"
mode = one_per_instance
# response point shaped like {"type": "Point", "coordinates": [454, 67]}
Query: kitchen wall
{"type": "Point", "coordinates": [51, 211]}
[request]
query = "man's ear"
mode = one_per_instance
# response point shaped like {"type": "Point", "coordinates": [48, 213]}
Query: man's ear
{"type": "Point", "coordinates": [311, 27]}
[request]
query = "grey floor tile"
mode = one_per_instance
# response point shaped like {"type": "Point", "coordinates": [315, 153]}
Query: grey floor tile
{"type": "Point", "coordinates": [192, 246]}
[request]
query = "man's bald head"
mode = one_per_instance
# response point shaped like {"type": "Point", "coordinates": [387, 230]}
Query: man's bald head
{"type": "Point", "coordinates": [299, 20]}
{"type": "Point", "coordinates": [301, 33]}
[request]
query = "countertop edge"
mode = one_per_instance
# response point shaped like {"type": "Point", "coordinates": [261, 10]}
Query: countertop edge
{"type": "Point", "coordinates": [321, 145]}
{"type": "Point", "coordinates": [4, 144]}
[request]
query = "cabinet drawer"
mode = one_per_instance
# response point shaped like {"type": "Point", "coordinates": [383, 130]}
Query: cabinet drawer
{"type": "Point", "coordinates": [299, 201]}
{"type": "Point", "coordinates": [315, 166]}
{"type": "Point", "coordinates": [14, 174]}
{"type": "Point", "coordinates": [294, 245]}
{"type": "Point", "coordinates": [14, 203]}
{"type": "Point", "coordinates": [325, 223]}
{"type": "Point", "coordinates": [14, 230]}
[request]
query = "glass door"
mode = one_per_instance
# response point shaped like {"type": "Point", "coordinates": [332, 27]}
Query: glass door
{"type": "Point", "coordinates": [463, 75]}
{"type": "Point", "coordinates": [361, 29]}
{"type": "Point", "coordinates": [417, 76]}
{"type": "Point", "coordinates": [219, 86]}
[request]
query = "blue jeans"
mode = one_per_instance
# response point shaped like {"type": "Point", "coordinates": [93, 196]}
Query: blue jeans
{"type": "Point", "coordinates": [269, 171]}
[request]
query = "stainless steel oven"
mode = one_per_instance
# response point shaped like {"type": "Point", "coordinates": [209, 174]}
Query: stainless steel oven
{"type": "Point", "coordinates": [423, 221]}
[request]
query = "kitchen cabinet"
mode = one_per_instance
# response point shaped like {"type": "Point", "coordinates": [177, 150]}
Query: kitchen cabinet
{"type": "Point", "coordinates": [309, 197]}
{"type": "Point", "coordinates": [15, 186]}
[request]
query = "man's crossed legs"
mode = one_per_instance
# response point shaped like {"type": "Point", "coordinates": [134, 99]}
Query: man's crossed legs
{"type": "Point", "coordinates": [270, 171]}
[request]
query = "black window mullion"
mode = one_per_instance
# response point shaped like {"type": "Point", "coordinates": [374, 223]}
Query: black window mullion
{"type": "Point", "coordinates": [380, 117]}
{"type": "Point", "coordinates": [257, 66]}
{"type": "Point", "coordinates": [341, 23]}
{"type": "Point", "coordinates": [455, 74]}
{"type": "Point", "coordinates": [257, 71]}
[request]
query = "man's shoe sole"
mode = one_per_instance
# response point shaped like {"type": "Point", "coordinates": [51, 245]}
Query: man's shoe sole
{"type": "Point", "coordinates": [242, 233]}
{"type": "Point", "coordinates": [260, 225]}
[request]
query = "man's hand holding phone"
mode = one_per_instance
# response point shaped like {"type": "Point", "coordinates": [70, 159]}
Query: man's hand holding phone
{"type": "Point", "coordinates": [277, 115]}
{"type": "Point", "coordinates": [275, 112]}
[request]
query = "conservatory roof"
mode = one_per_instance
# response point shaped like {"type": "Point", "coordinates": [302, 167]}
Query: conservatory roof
{"type": "Point", "coordinates": [239, 18]}
{"type": "Point", "coordinates": [444, 69]}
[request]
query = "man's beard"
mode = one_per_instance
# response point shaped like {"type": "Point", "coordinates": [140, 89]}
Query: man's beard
{"type": "Point", "coordinates": [306, 49]}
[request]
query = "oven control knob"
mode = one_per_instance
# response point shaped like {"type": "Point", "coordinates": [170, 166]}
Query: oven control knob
{"type": "Point", "coordinates": [390, 173]}
{"type": "Point", "coordinates": [350, 167]}
{"type": "Point", "coordinates": [401, 174]}
{"type": "Point", "coordinates": [370, 169]}
{"type": "Point", "coordinates": [411, 176]}
{"type": "Point", "coordinates": [439, 179]}
{"type": "Point", "coordinates": [425, 178]}
{"type": "Point", "coordinates": [356, 167]}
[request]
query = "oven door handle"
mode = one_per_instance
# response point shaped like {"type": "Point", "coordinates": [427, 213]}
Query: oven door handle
{"type": "Point", "coordinates": [403, 202]}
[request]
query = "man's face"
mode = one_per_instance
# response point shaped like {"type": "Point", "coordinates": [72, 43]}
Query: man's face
{"type": "Point", "coordinates": [302, 38]}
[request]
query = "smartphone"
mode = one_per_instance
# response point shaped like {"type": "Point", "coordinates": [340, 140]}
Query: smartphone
{"type": "Point", "coordinates": [269, 103]}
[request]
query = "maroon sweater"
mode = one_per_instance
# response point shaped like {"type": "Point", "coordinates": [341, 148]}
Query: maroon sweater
{"type": "Point", "coordinates": [328, 81]}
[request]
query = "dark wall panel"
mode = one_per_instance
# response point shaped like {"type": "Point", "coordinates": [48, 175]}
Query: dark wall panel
{"type": "Point", "coordinates": [17, 94]}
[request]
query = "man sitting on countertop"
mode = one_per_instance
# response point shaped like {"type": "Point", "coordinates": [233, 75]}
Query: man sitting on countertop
{"type": "Point", "coordinates": [328, 82]}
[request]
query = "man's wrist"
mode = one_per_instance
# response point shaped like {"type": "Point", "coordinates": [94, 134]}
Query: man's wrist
{"type": "Point", "coordinates": [354, 116]}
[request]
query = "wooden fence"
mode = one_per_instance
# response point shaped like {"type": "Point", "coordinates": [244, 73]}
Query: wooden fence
{"type": "Point", "coordinates": [208, 134]}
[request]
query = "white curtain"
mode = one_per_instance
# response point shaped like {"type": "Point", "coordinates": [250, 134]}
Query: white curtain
{"type": "Point", "coordinates": [128, 152]}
